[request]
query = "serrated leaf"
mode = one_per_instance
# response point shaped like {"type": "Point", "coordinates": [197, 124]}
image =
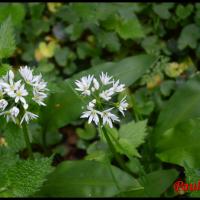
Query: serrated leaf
{"type": "Point", "coordinates": [192, 177]}
{"type": "Point", "coordinates": [26, 177]}
{"type": "Point", "coordinates": [14, 137]}
{"type": "Point", "coordinates": [7, 40]}
{"type": "Point", "coordinates": [131, 136]}
{"type": "Point", "coordinates": [7, 159]}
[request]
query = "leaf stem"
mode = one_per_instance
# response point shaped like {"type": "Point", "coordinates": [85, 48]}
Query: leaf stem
{"type": "Point", "coordinates": [27, 140]}
{"type": "Point", "coordinates": [116, 155]}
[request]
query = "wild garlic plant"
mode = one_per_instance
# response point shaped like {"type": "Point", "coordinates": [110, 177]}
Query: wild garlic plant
{"type": "Point", "coordinates": [17, 93]}
{"type": "Point", "coordinates": [103, 107]}
{"type": "Point", "coordinates": [101, 92]}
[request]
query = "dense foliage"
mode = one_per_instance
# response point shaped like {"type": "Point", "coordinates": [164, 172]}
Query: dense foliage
{"type": "Point", "coordinates": [152, 48]}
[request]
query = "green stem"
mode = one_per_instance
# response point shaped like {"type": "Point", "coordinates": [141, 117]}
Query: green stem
{"type": "Point", "coordinates": [112, 174]}
{"type": "Point", "coordinates": [116, 155]}
{"type": "Point", "coordinates": [27, 140]}
{"type": "Point", "coordinates": [135, 109]}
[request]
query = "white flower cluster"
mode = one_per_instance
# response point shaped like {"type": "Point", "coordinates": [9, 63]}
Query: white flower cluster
{"type": "Point", "coordinates": [101, 93]}
{"type": "Point", "coordinates": [15, 95]}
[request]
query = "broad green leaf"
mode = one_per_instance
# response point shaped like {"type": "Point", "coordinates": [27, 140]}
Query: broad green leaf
{"type": "Point", "coordinates": [64, 106]}
{"type": "Point", "coordinates": [131, 136]}
{"type": "Point", "coordinates": [154, 183]}
{"type": "Point", "coordinates": [183, 105]}
{"type": "Point", "coordinates": [189, 36]}
{"type": "Point", "coordinates": [133, 68]}
{"type": "Point", "coordinates": [86, 179]}
{"type": "Point", "coordinates": [180, 144]}
{"type": "Point", "coordinates": [157, 182]}
{"type": "Point", "coordinates": [7, 40]}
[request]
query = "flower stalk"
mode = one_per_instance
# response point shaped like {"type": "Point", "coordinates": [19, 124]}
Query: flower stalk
{"type": "Point", "coordinates": [116, 155]}
{"type": "Point", "coordinates": [27, 140]}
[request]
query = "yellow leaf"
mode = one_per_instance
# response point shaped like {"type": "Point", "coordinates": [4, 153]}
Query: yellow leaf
{"type": "Point", "coordinates": [53, 7]}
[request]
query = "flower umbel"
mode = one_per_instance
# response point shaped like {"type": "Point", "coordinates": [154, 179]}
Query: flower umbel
{"type": "Point", "coordinates": [100, 92]}
{"type": "Point", "coordinates": [84, 85]}
{"type": "Point", "coordinates": [17, 95]}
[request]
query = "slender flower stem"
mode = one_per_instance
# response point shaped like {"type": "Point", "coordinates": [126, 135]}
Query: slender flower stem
{"type": "Point", "coordinates": [112, 148]}
{"type": "Point", "coordinates": [27, 140]}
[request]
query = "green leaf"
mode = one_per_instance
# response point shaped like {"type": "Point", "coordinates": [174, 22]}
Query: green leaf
{"type": "Point", "coordinates": [183, 105]}
{"type": "Point", "coordinates": [87, 133]}
{"type": "Point", "coordinates": [162, 10]}
{"type": "Point", "coordinates": [14, 137]}
{"type": "Point", "coordinates": [163, 179]}
{"type": "Point", "coordinates": [7, 159]}
{"type": "Point", "coordinates": [166, 87]}
{"type": "Point", "coordinates": [131, 136]}
{"type": "Point", "coordinates": [85, 50]}
{"type": "Point", "coordinates": [133, 68]}
{"type": "Point", "coordinates": [4, 68]}
{"type": "Point", "coordinates": [109, 40]}
{"type": "Point", "coordinates": [15, 10]}
{"type": "Point", "coordinates": [36, 9]}
{"type": "Point", "coordinates": [184, 11]}
{"type": "Point", "coordinates": [64, 106]}
{"type": "Point", "coordinates": [86, 179]}
{"type": "Point", "coordinates": [100, 156]}
{"type": "Point", "coordinates": [189, 36]}
{"type": "Point", "coordinates": [130, 29]}
{"type": "Point", "coordinates": [192, 176]}
{"type": "Point", "coordinates": [180, 144]}
{"type": "Point", "coordinates": [26, 177]}
{"type": "Point", "coordinates": [45, 66]}
{"type": "Point", "coordinates": [7, 40]}
{"type": "Point", "coordinates": [61, 56]}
